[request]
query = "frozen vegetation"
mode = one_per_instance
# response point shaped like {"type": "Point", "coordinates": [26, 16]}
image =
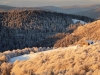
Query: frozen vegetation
{"type": "Point", "coordinates": [34, 28]}
{"type": "Point", "coordinates": [23, 57]}
{"type": "Point", "coordinates": [72, 60]}
{"type": "Point", "coordinates": [79, 61]}
{"type": "Point", "coordinates": [83, 34]}
{"type": "Point", "coordinates": [7, 55]}
{"type": "Point", "coordinates": [80, 21]}
{"type": "Point", "coordinates": [38, 42]}
{"type": "Point", "coordinates": [32, 55]}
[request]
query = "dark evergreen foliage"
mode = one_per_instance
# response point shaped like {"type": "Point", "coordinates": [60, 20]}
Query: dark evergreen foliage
{"type": "Point", "coordinates": [20, 29]}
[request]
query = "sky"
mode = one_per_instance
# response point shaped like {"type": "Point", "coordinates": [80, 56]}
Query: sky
{"type": "Point", "coordinates": [36, 3]}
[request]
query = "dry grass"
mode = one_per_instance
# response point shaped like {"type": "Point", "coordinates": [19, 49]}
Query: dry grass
{"type": "Point", "coordinates": [90, 31]}
{"type": "Point", "coordinates": [7, 55]}
{"type": "Point", "coordinates": [81, 61]}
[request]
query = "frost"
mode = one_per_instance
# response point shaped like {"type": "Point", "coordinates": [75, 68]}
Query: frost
{"type": "Point", "coordinates": [80, 21]}
{"type": "Point", "coordinates": [29, 56]}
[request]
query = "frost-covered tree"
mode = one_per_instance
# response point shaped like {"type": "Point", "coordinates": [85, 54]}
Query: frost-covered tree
{"type": "Point", "coordinates": [28, 28]}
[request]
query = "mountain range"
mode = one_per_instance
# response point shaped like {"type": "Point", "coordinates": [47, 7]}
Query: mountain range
{"type": "Point", "coordinates": [91, 11]}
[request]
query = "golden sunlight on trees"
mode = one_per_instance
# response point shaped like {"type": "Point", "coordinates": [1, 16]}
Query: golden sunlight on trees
{"type": "Point", "coordinates": [80, 60]}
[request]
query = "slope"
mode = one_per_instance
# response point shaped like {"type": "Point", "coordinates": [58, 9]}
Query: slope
{"type": "Point", "coordinates": [28, 28]}
{"type": "Point", "coordinates": [85, 10]}
{"type": "Point", "coordinates": [79, 8]}
{"type": "Point", "coordinates": [90, 31]}
{"type": "Point", "coordinates": [93, 13]}
{"type": "Point", "coordinates": [80, 61]}
{"type": "Point", "coordinates": [6, 8]}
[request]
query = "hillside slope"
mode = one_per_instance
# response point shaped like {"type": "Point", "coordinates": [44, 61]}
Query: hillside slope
{"type": "Point", "coordinates": [85, 10]}
{"type": "Point", "coordinates": [62, 61]}
{"type": "Point", "coordinates": [93, 13]}
{"type": "Point", "coordinates": [90, 31]}
{"type": "Point", "coordinates": [28, 28]}
{"type": "Point", "coordinates": [6, 8]}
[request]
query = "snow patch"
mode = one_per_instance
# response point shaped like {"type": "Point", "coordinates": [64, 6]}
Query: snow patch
{"type": "Point", "coordinates": [22, 57]}
{"type": "Point", "coordinates": [29, 56]}
{"type": "Point", "coordinates": [90, 41]}
{"type": "Point", "coordinates": [80, 21]}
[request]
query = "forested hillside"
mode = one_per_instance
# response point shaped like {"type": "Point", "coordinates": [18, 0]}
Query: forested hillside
{"type": "Point", "coordinates": [81, 35]}
{"type": "Point", "coordinates": [29, 28]}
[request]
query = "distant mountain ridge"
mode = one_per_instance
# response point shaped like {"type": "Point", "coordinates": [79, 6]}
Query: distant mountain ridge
{"type": "Point", "coordinates": [93, 13]}
{"type": "Point", "coordinates": [6, 8]}
{"type": "Point", "coordinates": [85, 10]}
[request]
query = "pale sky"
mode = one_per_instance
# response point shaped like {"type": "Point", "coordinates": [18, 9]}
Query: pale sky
{"type": "Point", "coordinates": [36, 3]}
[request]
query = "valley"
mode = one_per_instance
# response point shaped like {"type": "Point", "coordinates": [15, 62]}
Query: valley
{"type": "Point", "coordinates": [50, 40]}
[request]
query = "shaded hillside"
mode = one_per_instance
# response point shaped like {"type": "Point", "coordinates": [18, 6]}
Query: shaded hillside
{"type": "Point", "coordinates": [85, 10]}
{"type": "Point", "coordinates": [90, 6]}
{"type": "Point", "coordinates": [20, 29]}
{"type": "Point", "coordinates": [11, 8]}
{"type": "Point", "coordinates": [6, 8]}
{"type": "Point", "coordinates": [93, 13]}
{"type": "Point", "coordinates": [79, 8]}
{"type": "Point", "coordinates": [54, 9]}
{"type": "Point", "coordinates": [90, 31]}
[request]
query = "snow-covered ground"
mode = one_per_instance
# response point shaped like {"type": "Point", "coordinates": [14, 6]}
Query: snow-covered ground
{"type": "Point", "coordinates": [90, 41]}
{"type": "Point", "coordinates": [75, 21]}
{"type": "Point", "coordinates": [23, 57]}
{"type": "Point", "coordinates": [29, 56]}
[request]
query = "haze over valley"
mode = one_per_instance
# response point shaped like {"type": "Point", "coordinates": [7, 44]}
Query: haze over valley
{"type": "Point", "coordinates": [91, 11]}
